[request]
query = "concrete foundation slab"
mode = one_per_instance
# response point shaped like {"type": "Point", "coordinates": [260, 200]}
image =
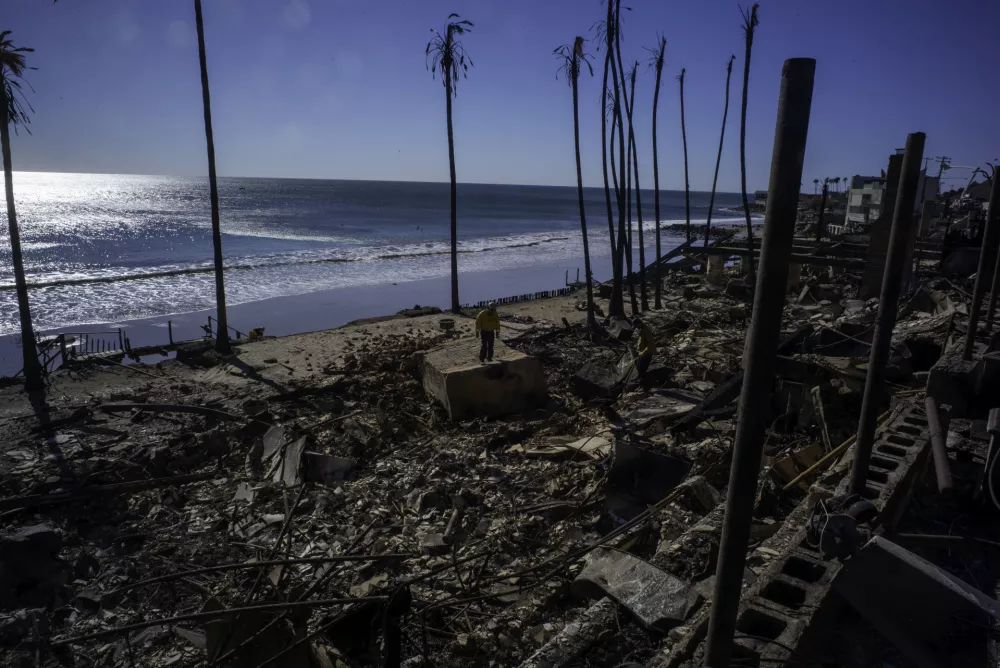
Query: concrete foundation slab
{"type": "Point", "coordinates": [512, 383]}
{"type": "Point", "coordinates": [919, 607]}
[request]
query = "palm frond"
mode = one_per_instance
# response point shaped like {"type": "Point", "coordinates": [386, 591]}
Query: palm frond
{"type": "Point", "coordinates": [573, 58]}
{"type": "Point", "coordinates": [750, 20]}
{"type": "Point", "coordinates": [657, 54]}
{"type": "Point", "coordinates": [447, 54]}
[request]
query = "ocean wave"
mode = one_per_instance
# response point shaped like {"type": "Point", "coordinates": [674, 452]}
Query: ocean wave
{"type": "Point", "coordinates": [368, 255]}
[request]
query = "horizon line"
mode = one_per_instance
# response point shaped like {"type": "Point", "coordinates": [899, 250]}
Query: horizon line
{"type": "Point", "coordinates": [319, 178]}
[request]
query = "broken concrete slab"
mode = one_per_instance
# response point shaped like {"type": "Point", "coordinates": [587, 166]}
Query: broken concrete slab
{"type": "Point", "coordinates": [656, 598]}
{"type": "Point", "coordinates": [31, 572]}
{"type": "Point", "coordinates": [952, 382]}
{"type": "Point", "coordinates": [916, 605]}
{"type": "Point", "coordinates": [638, 477]}
{"type": "Point", "coordinates": [325, 469]}
{"type": "Point", "coordinates": [619, 328]}
{"type": "Point", "coordinates": [512, 383]}
{"type": "Point", "coordinates": [589, 447]}
{"type": "Point", "coordinates": [576, 638]}
{"type": "Point", "coordinates": [288, 468]}
{"type": "Point", "coordinates": [666, 405]}
{"type": "Point", "coordinates": [593, 381]}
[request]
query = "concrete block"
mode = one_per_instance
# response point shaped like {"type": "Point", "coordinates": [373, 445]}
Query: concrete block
{"type": "Point", "coordinates": [916, 605]}
{"type": "Point", "coordinates": [716, 269]}
{"type": "Point", "coordinates": [656, 598]}
{"type": "Point", "coordinates": [952, 382]}
{"type": "Point", "coordinates": [453, 375]}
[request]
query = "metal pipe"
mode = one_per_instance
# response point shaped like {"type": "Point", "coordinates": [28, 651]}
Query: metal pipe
{"type": "Point", "coordinates": [987, 258]}
{"type": "Point", "coordinates": [941, 465]}
{"type": "Point", "coordinates": [885, 322]}
{"type": "Point", "coordinates": [790, 134]}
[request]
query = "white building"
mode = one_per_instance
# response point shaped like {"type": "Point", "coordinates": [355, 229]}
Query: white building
{"type": "Point", "coordinates": [865, 197]}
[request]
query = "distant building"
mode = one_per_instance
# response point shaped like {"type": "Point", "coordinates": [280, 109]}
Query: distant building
{"type": "Point", "coordinates": [865, 197]}
{"type": "Point", "coordinates": [760, 197]}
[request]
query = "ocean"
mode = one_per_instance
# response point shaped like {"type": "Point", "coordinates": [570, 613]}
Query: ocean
{"type": "Point", "coordinates": [112, 248]}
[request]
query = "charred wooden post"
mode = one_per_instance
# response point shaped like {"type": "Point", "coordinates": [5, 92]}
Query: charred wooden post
{"type": "Point", "coordinates": [791, 130]}
{"type": "Point", "coordinates": [987, 262]}
{"type": "Point", "coordinates": [822, 210]}
{"type": "Point", "coordinates": [885, 322]}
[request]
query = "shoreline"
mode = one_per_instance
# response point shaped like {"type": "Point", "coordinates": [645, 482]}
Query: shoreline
{"type": "Point", "coordinates": [336, 307]}
{"type": "Point", "coordinates": [328, 309]}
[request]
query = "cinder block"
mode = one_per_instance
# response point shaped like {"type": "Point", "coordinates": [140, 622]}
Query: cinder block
{"type": "Point", "coordinates": [952, 381]}
{"type": "Point", "coordinates": [512, 383]}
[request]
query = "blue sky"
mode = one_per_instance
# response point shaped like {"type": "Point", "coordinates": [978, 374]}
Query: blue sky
{"type": "Point", "coordinates": [338, 89]}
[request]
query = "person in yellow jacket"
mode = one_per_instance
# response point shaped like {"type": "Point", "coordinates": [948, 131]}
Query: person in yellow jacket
{"type": "Point", "coordinates": [487, 329]}
{"type": "Point", "coordinates": [646, 346]}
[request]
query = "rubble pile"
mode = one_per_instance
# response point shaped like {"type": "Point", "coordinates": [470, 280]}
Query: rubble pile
{"type": "Point", "coordinates": [342, 517]}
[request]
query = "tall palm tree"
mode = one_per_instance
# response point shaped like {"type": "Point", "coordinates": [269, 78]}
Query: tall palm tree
{"type": "Point", "coordinates": [836, 182]}
{"type": "Point", "coordinates": [618, 81]}
{"type": "Point", "coordinates": [626, 172]}
{"type": "Point", "coordinates": [445, 52]}
{"type": "Point", "coordinates": [605, 35]}
{"type": "Point", "coordinates": [638, 199]}
{"type": "Point", "coordinates": [573, 58]}
{"type": "Point", "coordinates": [659, 52]}
{"type": "Point", "coordinates": [687, 183]}
{"type": "Point", "coordinates": [222, 336]}
{"type": "Point", "coordinates": [718, 158]}
{"type": "Point", "coordinates": [750, 23]}
{"type": "Point", "coordinates": [815, 186]}
{"type": "Point", "coordinates": [13, 112]}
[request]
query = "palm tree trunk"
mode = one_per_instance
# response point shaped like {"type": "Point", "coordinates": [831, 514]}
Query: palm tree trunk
{"type": "Point", "coordinates": [657, 287]}
{"type": "Point", "coordinates": [751, 273]}
{"type": "Point", "coordinates": [456, 307]}
{"type": "Point", "coordinates": [614, 170]}
{"type": "Point", "coordinates": [622, 230]}
{"type": "Point", "coordinates": [591, 321]}
{"type": "Point", "coordinates": [222, 336]}
{"type": "Point", "coordinates": [33, 379]}
{"type": "Point", "coordinates": [615, 269]}
{"type": "Point", "coordinates": [687, 183]}
{"type": "Point", "coordinates": [629, 256]}
{"type": "Point", "coordinates": [622, 92]}
{"type": "Point", "coordinates": [718, 159]}
{"type": "Point", "coordinates": [638, 203]}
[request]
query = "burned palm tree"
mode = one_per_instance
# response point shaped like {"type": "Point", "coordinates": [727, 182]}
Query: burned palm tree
{"type": "Point", "coordinates": [749, 26]}
{"type": "Point", "coordinates": [656, 62]}
{"type": "Point", "coordinates": [638, 197]}
{"type": "Point", "coordinates": [625, 207]}
{"type": "Point", "coordinates": [718, 158]}
{"type": "Point", "coordinates": [222, 336]}
{"type": "Point", "coordinates": [605, 36]}
{"type": "Point", "coordinates": [445, 53]}
{"type": "Point", "coordinates": [573, 59]}
{"type": "Point", "coordinates": [687, 183]}
{"type": "Point", "coordinates": [14, 110]}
